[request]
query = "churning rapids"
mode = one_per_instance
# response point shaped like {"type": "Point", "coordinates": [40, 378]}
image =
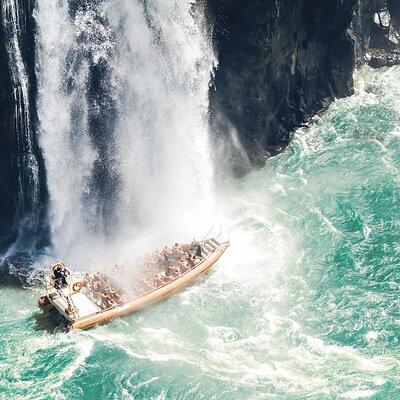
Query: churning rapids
{"type": "Point", "coordinates": [304, 305]}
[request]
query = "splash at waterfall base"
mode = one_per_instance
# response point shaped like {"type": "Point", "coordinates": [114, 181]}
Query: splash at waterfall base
{"type": "Point", "coordinates": [74, 303]}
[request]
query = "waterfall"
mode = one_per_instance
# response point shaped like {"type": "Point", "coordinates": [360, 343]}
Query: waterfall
{"type": "Point", "coordinates": [29, 200]}
{"type": "Point", "coordinates": [122, 104]}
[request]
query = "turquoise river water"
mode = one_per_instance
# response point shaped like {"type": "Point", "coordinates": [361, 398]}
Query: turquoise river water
{"type": "Point", "coordinates": [305, 305]}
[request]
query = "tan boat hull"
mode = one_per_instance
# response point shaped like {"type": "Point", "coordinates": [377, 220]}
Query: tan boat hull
{"type": "Point", "coordinates": [152, 297]}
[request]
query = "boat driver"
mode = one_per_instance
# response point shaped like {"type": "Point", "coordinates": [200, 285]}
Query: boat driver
{"type": "Point", "coordinates": [60, 275]}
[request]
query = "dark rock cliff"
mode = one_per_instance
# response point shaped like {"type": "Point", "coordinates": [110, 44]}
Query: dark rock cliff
{"type": "Point", "coordinates": [23, 194]}
{"type": "Point", "coordinates": [377, 28]}
{"type": "Point", "coordinates": [8, 147]}
{"type": "Point", "coordinates": [280, 62]}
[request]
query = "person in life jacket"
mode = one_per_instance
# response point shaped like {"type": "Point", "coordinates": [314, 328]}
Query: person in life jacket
{"type": "Point", "coordinates": [60, 275]}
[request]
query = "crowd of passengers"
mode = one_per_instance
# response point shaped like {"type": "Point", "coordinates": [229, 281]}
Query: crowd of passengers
{"type": "Point", "coordinates": [103, 291]}
{"type": "Point", "coordinates": [170, 262]}
{"type": "Point", "coordinates": [160, 268]}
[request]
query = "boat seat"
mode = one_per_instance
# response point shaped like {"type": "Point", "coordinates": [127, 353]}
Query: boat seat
{"type": "Point", "coordinates": [211, 244]}
{"type": "Point", "coordinates": [215, 241]}
{"type": "Point", "coordinates": [205, 251]}
{"type": "Point", "coordinates": [208, 247]}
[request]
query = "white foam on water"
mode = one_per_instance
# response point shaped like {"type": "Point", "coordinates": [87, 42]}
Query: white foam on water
{"type": "Point", "coordinates": [325, 220]}
{"type": "Point", "coordinates": [372, 335]}
{"type": "Point", "coordinates": [358, 394]}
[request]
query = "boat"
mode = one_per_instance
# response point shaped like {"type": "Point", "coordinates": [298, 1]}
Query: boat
{"type": "Point", "coordinates": [72, 302]}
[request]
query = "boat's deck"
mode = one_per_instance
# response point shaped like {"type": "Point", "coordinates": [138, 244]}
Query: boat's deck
{"type": "Point", "coordinates": [84, 303]}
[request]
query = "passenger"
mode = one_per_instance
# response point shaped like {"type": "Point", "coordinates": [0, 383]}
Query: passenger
{"type": "Point", "coordinates": [144, 285]}
{"type": "Point", "coordinates": [86, 281]}
{"type": "Point", "coordinates": [103, 277]}
{"type": "Point", "coordinates": [104, 302]}
{"type": "Point", "coordinates": [183, 266]}
{"type": "Point", "coordinates": [195, 259]}
{"type": "Point", "coordinates": [118, 298]}
{"type": "Point", "coordinates": [198, 250]}
{"type": "Point", "coordinates": [166, 259]}
{"type": "Point", "coordinates": [106, 287]}
{"type": "Point", "coordinates": [158, 280]}
{"type": "Point", "coordinates": [150, 285]}
{"type": "Point", "coordinates": [190, 261]}
{"type": "Point", "coordinates": [176, 271]}
{"type": "Point", "coordinates": [95, 285]}
{"type": "Point", "coordinates": [113, 295]}
{"type": "Point", "coordinates": [167, 279]}
{"type": "Point", "coordinates": [111, 301]}
{"type": "Point", "coordinates": [170, 270]}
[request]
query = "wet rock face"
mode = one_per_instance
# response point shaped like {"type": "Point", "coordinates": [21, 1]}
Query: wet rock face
{"type": "Point", "coordinates": [377, 28]}
{"type": "Point", "coordinates": [280, 62]}
{"type": "Point", "coordinates": [23, 194]}
{"type": "Point", "coordinates": [8, 148]}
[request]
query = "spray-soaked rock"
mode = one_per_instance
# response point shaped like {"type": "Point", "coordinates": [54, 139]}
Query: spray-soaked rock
{"type": "Point", "coordinates": [23, 194]}
{"type": "Point", "coordinates": [8, 170]}
{"type": "Point", "coordinates": [377, 28]}
{"type": "Point", "coordinates": [279, 63]}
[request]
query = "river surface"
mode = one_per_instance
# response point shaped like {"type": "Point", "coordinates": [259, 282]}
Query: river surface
{"type": "Point", "coordinates": [304, 305]}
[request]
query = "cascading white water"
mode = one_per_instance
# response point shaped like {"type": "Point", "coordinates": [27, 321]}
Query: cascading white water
{"type": "Point", "coordinates": [28, 169]}
{"type": "Point", "coordinates": [123, 98]}
{"type": "Point", "coordinates": [163, 149]}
